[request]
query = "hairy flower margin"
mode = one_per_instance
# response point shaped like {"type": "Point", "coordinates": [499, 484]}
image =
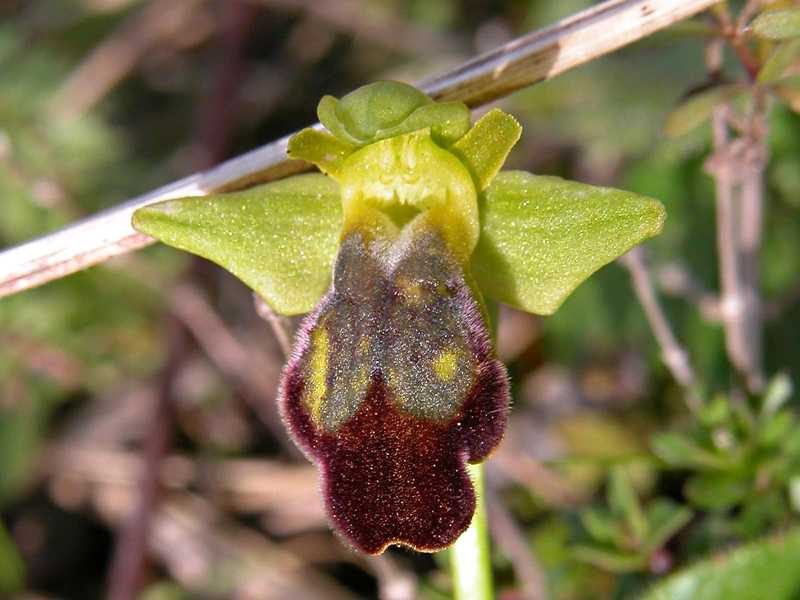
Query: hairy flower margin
{"type": "Point", "coordinates": [393, 385]}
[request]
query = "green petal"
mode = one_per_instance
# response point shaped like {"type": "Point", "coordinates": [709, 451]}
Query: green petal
{"type": "Point", "coordinates": [326, 112]}
{"type": "Point", "coordinates": [319, 148]}
{"type": "Point", "coordinates": [542, 236]}
{"type": "Point", "coordinates": [385, 109]}
{"type": "Point", "coordinates": [485, 147]}
{"type": "Point", "coordinates": [448, 121]}
{"type": "Point", "coordinates": [279, 238]}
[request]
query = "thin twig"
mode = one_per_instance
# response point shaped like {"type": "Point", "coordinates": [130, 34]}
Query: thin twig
{"type": "Point", "coordinates": [510, 538]}
{"type": "Point", "coordinates": [733, 33]}
{"type": "Point", "coordinates": [247, 366]}
{"type": "Point", "coordinates": [109, 63]}
{"type": "Point", "coordinates": [673, 354]}
{"type": "Point", "coordinates": [532, 58]}
{"type": "Point", "coordinates": [675, 279]}
{"type": "Point", "coordinates": [737, 167]}
{"type": "Point", "coordinates": [127, 567]}
{"type": "Point", "coordinates": [746, 14]}
{"type": "Point", "coordinates": [280, 327]}
{"type": "Point", "coordinates": [394, 582]}
{"type": "Point", "coordinates": [381, 28]}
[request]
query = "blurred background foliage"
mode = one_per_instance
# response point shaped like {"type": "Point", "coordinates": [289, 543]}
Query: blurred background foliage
{"type": "Point", "coordinates": [606, 481]}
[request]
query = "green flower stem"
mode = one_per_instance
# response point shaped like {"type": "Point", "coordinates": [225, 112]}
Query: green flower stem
{"type": "Point", "coordinates": [470, 559]}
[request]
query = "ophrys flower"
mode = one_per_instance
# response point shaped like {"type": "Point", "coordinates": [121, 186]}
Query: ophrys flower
{"type": "Point", "coordinates": [393, 385]}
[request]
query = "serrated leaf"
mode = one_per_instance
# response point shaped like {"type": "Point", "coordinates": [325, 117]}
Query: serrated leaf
{"type": "Point", "coordinates": [777, 24]}
{"type": "Point", "coordinates": [765, 569]}
{"type": "Point", "coordinates": [697, 109]}
{"type": "Point", "coordinates": [608, 559]}
{"type": "Point", "coordinates": [779, 60]}
{"type": "Point", "coordinates": [279, 238]}
{"type": "Point", "coordinates": [716, 490]}
{"type": "Point", "coordinates": [542, 236]}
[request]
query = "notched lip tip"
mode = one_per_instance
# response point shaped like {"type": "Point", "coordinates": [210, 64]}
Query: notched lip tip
{"type": "Point", "coordinates": [403, 545]}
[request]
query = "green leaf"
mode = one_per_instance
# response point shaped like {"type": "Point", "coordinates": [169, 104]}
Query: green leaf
{"type": "Point", "coordinates": [788, 90]}
{"type": "Point", "coordinates": [716, 412]}
{"type": "Point", "coordinates": [279, 238]}
{"type": "Point", "coordinates": [623, 501]}
{"type": "Point", "coordinates": [603, 526]}
{"type": "Point", "coordinates": [608, 559]}
{"type": "Point", "coordinates": [794, 493]}
{"type": "Point", "coordinates": [778, 392]}
{"type": "Point", "coordinates": [779, 60]}
{"type": "Point", "coordinates": [678, 450]}
{"type": "Point", "coordinates": [778, 24]}
{"type": "Point", "coordinates": [791, 445]}
{"type": "Point", "coordinates": [773, 429]}
{"type": "Point", "coordinates": [12, 569]}
{"type": "Point", "coordinates": [716, 490]}
{"type": "Point", "coordinates": [665, 518]}
{"type": "Point", "coordinates": [485, 147]}
{"type": "Point", "coordinates": [542, 236]}
{"type": "Point", "coordinates": [697, 109]}
{"type": "Point", "coordinates": [767, 569]}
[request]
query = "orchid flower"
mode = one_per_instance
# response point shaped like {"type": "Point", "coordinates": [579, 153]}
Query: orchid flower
{"type": "Point", "coordinates": [393, 384]}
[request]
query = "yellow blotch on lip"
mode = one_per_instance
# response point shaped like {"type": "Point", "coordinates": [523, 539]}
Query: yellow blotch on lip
{"type": "Point", "coordinates": [444, 365]}
{"type": "Point", "coordinates": [411, 290]}
{"type": "Point", "coordinates": [318, 372]}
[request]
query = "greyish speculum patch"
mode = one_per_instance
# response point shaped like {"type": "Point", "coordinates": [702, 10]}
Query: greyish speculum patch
{"type": "Point", "coordinates": [391, 388]}
{"type": "Point", "coordinates": [405, 323]}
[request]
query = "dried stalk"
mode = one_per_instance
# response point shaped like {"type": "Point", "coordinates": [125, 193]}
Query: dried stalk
{"type": "Point", "coordinates": [532, 58]}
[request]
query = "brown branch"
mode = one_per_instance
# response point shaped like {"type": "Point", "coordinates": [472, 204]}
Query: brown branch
{"type": "Point", "coordinates": [278, 324]}
{"type": "Point", "coordinates": [128, 564]}
{"type": "Point", "coordinates": [673, 354]}
{"type": "Point", "coordinates": [737, 167]}
{"type": "Point", "coordinates": [675, 279]}
{"type": "Point", "coordinates": [733, 33]}
{"type": "Point", "coordinates": [511, 540]}
{"type": "Point", "coordinates": [378, 28]}
{"type": "Point", "coordinates": [247, 366]}
{"type": "Point", "coordinates": [111, 61]}
{"type": "Point", "coordinates": [746, 14]}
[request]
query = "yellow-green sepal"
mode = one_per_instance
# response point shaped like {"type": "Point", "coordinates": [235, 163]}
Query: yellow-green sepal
{"type": "Point", "coordinates": [279, 238]}
{"type": "Point", "coordinates": [542, 236]}
{"type": "Point", "coordinates": [485, 147]}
